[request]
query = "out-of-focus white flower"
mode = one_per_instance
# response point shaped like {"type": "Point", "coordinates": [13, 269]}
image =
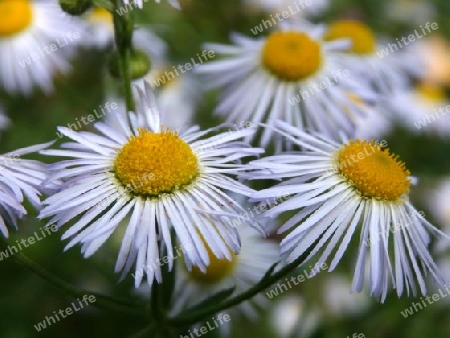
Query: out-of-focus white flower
{"type": "Point", "coordinates": [423, 110]}
{"type": "Point", "coordinates": [36, 41]}
{"type": "Point", "coordinates": [370, 60]}
{"type": "Point", "coordinates": [292, 317]}
{"type": "Point", "coordinates": [338, 300]}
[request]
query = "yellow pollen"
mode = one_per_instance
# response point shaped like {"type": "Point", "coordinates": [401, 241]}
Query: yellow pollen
{"type": "Point", "coordinates": [430, 92]}
{"type": "Point", "coordinates": [216, 271]}
{"type": "Point", "coordinates": [100, 15]}
{"type": "Point", "coordinates": [373, 171]}
{"type": "Point", "coordinates": [291, 56]}
{"type": "Point", "coordinates": [15, 16]}
{"type": "Point", "coordinates": [362, 38]}
{"type": "Point", "coordinates": [151, 164]}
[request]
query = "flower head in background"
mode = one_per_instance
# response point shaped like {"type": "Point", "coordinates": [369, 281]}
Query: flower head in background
{"type": "Point", "coordinates": [291, 75]}
{"type": "Point", "coordinates": [335, 187]}
{"type": "Point", "coordinates": [177, 95]}
{"type": "Point", "coordinates": [19, 178]}
{"type": "Point", "coordinates": [162, 180]}
{"type": "Point", "coordinates": [99, 27]}
{"type": "Point", "coordinates": [242, 271]}
{"type": "Point", "coordinates": [424, 109]}
{"type": "Point", "coordinates": [4, 120]}
{"type": "Point", "coordinates": [434, 52]}
{"type": "Point", "coordinates": [378, 120]}
{"type": "Point", "coordinates": [292, 317]}
{"type": "Point", "coordinates": [36, 40]}
{"type": "Point", "coordinates": [437, 201]}
{"type": "Point", "coordinates": [339, 302]}
{"type": "Point", "coordinates": [369, 59]}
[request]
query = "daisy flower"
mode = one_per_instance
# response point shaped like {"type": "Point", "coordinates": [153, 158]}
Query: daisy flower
{"type": "Point", "coordinates": [177, 96]}
{"type": "Point", "coordinates": [291, 75]}
{"type": "Point", "coordinates": [334, 187]}
{"type": "Point", "coordinates": [158, 178]}
{"type": "Point", "coordinates": [425, 109]}
{"type": "Point", "coordinates": [377, 121]}
{"type": "Point", "coordinates": [241, 271]}
{"type": "Point", "coordinates": [19, 178]}
{"type": "Point", "coordinates": [293, 317]}
{"type": "Point", "coordinates": [99, 25]}
{"type": "Point", "coordinates": [434, 52]}
{"type": "Point", "coordinates": [140, 3]}
{"type": "Point", "coordinates": [36, 38]}
{"type": "Point", "coordinates": [373, 60]}
{"type": "Point", "coordinates": [437, 202]}
{"type": "Point", "coordinates": [338, 301]}
{"type": "Point", "coordinates": [4, 120]}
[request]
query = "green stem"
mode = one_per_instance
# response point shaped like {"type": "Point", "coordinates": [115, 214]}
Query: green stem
{"type": "Point", "coordinates": [123, 32]}
{"type": "Point", "coordinates": [195, 317]}
{"type": "Point", "coordinates": [102, 301]}
{"type": "Point", "coordinates": [125, 69]}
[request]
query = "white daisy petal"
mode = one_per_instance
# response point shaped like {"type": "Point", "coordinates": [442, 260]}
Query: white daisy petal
{"type": "Point", "coordinates": [363, 184]}
{"type": "Point", "coordinates": [257, 86]}
{"type": "Point", "coordinates": [112, 180]}
{"type": "Point", "coordinates": [26, 35]}
{"type": "Point", "coordinates": [19, 177]}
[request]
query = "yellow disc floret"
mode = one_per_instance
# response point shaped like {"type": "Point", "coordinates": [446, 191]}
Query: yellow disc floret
{"type": "Point", "coordinates": [15, 16]}
{"type": "Point", "coordinates": [430, 92]}
{"type": "Point", "coordinates": [151, 164]}
{"type": "Point", "coordinates": [373, 171]}
{"type": "Point", "coordinates": [216, 271]}
{"type": "Point", "coordinates": [362, 38]}
{"type": "Point", "coordinates": [100, 15]}
{"type": "Point", "coordinates": [162, 79]}
{"type": "Point", "coordinates": [291, 56]}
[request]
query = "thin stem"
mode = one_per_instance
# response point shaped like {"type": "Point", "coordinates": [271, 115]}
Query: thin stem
{"type": "Point", "coordinates": [102, 301]}
{"type": "Point", "coordinates": [196, 317]}
{"type": "Point", "coordinates": [123, 32]}
{"type": "Point", "coordinates": [125, 69]}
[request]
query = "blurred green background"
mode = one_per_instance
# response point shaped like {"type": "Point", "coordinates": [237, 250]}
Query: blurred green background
{"type": "Point", "coordinates": [26, 299]}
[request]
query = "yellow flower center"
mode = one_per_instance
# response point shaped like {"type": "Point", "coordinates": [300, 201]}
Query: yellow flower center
{"type": "Point", "coordinates": [430, 92]}
{"type": "Point", "coordinates": [15, 16]}
{"type": "Point", "coordinates": [217, 270]}
{"type": "Point", "coordinates": [100, 15]}
{"type": "Point", "coordinates": [151, 164]}
{"type": "Point", "coordinates": [362, 38]}
{"type": "Point", "coordinates": [291, 56]}
{"type": "Point", "coordinates": [163, 79]}
{"type": "Point", "coordinates": [373, 171]}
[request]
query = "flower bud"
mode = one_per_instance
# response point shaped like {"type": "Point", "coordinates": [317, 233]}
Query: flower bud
{"type": "Point", "coordinates": [140, 64]}
{"type": "Point", "coordinates": [75, 7]}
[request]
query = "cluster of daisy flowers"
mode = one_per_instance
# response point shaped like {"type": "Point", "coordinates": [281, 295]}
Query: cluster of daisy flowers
{"type": "Point", "coordinates": [312, 92]}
